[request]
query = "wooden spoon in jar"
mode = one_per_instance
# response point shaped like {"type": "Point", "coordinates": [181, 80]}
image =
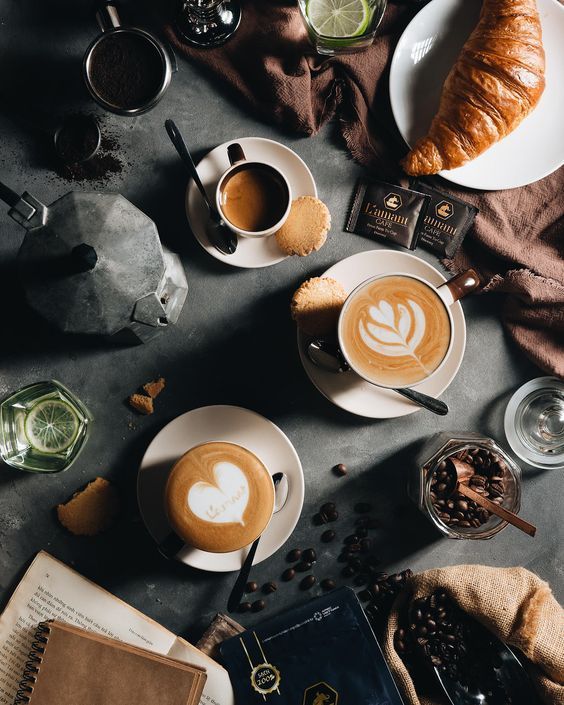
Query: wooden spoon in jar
{"type": "Point", "coordinates": [463, 472]}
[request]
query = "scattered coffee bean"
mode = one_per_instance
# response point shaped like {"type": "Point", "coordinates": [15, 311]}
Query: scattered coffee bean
{"type": "Point", "coordinates": [383, 591]}
{"type": "Point", "coordinates": [348, 571]}
{"type": "Point", "coordinates": [245, 607]}
{"type": "Point", "coordinates": [340, 470]}
{"type": "Point", "coordinates": [362, 507]}
{"type": "Point", "coordinates": [294, 555]}
{"type": "Point", "coordinates": [258, 605]}
{"type": "Point", "coordinates": [333, 516]}
{"type": "Point", "coordinates": [353, 548]}
{"type": "Point", "coordinates": [328, 584]}
{"type": "Point", "coordinates": [353, 538]}
{"type": "Point", "coordinates": [269, 588]}
{"type": "Point", "coordinates": [303, 566]}
{"type": "Point", "coordinates": [251, 586]}
{"type": "Point", "coordinates": [288, 574]}
{"type": "Point", "coordinates": [308, 582]}
{"type": "Point", "coordinates": [309, 555]}
{"type": "Point", "coordinates": [328, 536]}
{"type": "Point", "coordinates": [328, 507]}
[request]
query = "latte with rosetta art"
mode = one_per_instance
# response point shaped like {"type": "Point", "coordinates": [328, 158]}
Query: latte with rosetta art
{"type": "Point", "coordinates": [395, 331]}
{"type": "Point", "coordinates": [219, 497]}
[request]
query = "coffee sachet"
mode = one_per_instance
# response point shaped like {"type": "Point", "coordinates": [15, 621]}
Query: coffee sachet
{"type": "Point", "coordinates": [446, 222]}
{"type": "Point", "coordinates": [321, 653]}
{"type": "Point", "coordinates": [381, 210]}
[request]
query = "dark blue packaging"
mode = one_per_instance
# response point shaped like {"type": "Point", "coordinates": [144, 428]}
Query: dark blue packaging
{"type": "Point", "coordinates": [321, 653]}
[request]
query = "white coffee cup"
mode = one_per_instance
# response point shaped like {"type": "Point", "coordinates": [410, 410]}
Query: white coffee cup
{"type": "Point", "coordinates": [239, 162]}
{"type": "Point", "coordinates": [448, 293]}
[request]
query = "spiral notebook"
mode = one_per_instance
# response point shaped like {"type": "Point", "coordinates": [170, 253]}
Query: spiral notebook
{"type": "Point", "coordinates": [68, 665]}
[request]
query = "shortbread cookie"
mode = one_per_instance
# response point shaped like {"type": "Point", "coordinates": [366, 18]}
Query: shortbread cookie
{"type": "Point", "coordinates": [141, 403]}
{"type": "Point", "coordinates": [154, 388]}
{"type": "Point", "coordinates": [91, 510]}
{"type": "Point", "coordinates": [316, 305]}
{"type": "Point", "coordinates": [306, 228]}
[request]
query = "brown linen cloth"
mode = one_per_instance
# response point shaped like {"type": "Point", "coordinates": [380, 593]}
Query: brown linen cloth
{"type": "Point", "coordinates": [517, 244]}
{"type": "Point", "coordinates": [513, 603]}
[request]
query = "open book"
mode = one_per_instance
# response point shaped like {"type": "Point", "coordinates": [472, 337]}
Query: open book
{"type": "Point", "coordinates": [52, 590]}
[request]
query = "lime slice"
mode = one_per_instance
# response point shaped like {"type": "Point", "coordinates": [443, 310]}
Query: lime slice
{"type": "Point", "coordinates": [51, 426]}
{"type": "Point", "coordinates": [338, 18]}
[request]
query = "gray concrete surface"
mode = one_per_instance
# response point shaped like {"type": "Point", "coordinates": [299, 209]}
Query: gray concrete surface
{"type": "Point", "coordinates": [234, 344]}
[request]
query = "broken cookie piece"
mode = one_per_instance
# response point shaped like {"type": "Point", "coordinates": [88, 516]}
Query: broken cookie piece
{"type": "Point", "coordinates": [141, 403]}
{"type": "Point", "coordinates": [154, 388]}
{"type": "Point", "coordinates": [91, 510]}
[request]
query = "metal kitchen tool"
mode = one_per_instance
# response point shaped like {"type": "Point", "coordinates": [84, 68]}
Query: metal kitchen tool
{"type": "Point", "coordinates": [93, 263]}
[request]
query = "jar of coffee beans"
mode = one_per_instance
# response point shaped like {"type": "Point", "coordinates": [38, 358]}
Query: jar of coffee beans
{"type": "Point", "coordinates": [488, 469]}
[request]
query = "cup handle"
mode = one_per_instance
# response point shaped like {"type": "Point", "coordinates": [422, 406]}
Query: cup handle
{"type": "Point", "coordinates": [107, 15]}
{"type": "Point", "coordinates": [457, 287]}
{"type": "Point", "coordinates": [235, 153]}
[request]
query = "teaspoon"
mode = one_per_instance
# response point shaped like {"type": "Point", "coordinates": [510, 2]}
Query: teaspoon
{"type": "Point", "coordinates": [329, 357]}
{"type": "Point", "coordinates": [221, 237]}
{"type": "Point", "coordinates": [239, 586]}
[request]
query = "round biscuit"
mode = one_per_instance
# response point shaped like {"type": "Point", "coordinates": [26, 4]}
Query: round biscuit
{"type": "Point", "coordinates": [306, 228]}
{"type": "Point", "coordinates": [316, 305]}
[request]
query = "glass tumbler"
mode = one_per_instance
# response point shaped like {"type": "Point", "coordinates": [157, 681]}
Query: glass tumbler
{"type": "Point", "coordinates": [341, 26]}
{"type": "Point", "coordinates": [435, 451]}
{"type": "Point", "coordinates": [43, 428]}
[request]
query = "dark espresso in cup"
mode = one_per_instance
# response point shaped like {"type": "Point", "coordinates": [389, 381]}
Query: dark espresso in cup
{"type": "Point", "coordinates": [254, 197]}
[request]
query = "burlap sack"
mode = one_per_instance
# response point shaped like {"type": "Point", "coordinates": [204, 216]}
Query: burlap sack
{"type": "Point", "coordinates": [513, 603]}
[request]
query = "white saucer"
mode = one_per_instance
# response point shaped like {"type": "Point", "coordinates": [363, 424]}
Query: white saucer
{"type": "Point", "coordinates": [423, 57]}
{"type": "Point", "coordinates": [349, 391]}
{"type": "Point", "coordinates": [220, 423]}
{"type": "Point", "coordinates": [251, 252]}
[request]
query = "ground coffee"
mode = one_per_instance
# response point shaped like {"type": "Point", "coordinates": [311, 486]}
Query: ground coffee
{"type": "Point", "coordinates": [126, 70]}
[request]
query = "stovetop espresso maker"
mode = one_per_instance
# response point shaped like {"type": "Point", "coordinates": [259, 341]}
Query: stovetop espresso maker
{"type": "Point", "coordinates": [92, 263]}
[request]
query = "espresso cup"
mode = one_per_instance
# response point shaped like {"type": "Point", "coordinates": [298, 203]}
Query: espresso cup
{"type": "Point", "coordinates": [219, 497]}
{"type": "Point", "coordinates": [254, 198]}
{"type": "Point", "coordinates": [396, 330]}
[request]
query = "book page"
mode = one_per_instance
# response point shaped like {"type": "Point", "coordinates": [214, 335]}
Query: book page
{"type": "Point", "coordinates": [52, 590]}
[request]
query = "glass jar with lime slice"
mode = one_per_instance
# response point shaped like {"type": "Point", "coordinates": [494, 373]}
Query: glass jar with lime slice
{"type": "Point", "coordinates": [341, 26]}
{"type": "Point", "coordinates": [43, 428]}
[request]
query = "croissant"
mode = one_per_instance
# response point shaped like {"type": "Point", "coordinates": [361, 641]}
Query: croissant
{"type": "Point", "coordinates": [496, 81]}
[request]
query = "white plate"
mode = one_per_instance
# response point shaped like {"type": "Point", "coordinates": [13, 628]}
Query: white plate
{"type": "Point", "coordinates": [423, 57]}
{"type": "Point", "coordinates": [351, 392]}
{"type": "Point", "coordinates": [251, 252]}
{"type": "Point", "coordinates": [220, 423]}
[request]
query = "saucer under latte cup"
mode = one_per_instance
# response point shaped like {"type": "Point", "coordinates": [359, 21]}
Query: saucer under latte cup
{"type": "Point", "coordinates": [396, 329]}
{"type": "Point", "coordinates": [254, 198]}
{"type": "Point", "coordinates": [219, 497]}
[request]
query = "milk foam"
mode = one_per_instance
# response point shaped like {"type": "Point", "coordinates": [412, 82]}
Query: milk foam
{"type": "Point", "coordinates": [395, 330]}
{"type": "Point", "coordinates": [224, 501]}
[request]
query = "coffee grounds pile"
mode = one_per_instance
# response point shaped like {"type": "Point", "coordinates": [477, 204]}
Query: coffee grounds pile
{"type": "Point", "coordinates": [437, 633]}
{"type": "Point", "coordinates": [126, 70]}
{"type": "Point", "coordinates": [103, 165]}
{"type": "Point", "coordinates": [77, 139]}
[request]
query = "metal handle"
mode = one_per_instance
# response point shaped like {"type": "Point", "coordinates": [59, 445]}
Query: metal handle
{"type": "Point", "coordinates": [8, 196]}
{"type": "Point", "coordinates": [182, 149]}
{"type": "Point", "coordinates": [430, 403]}
{"type": "Point", "coordinates": [107, 15]}
{"type": "Point", "coordinates": [235, 153]}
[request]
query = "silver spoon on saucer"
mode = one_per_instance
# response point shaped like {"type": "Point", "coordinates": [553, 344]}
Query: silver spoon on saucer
{"type": "Point", "coordinates": [328, 356]}
{"type": "Point", "coordinates": [221, 237]}
{"type": "Point", "coordinates": [281, 494]}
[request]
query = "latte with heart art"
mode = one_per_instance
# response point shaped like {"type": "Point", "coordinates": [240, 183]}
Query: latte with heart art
{"type": "Point", "coordinates": [395, 331]}
{"type": "Point", "coordinates": [219, 497]}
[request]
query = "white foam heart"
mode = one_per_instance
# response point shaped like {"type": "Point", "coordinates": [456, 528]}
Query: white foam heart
{"type": "Point", "coordinates": [223, 502]}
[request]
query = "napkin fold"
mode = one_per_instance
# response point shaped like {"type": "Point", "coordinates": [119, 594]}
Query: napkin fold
{"type": "Point", "coordinates": [517, 244]}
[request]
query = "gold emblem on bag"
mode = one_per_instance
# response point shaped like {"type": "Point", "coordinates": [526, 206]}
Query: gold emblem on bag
{"type": "Point", "coordinates": [320, 694]}
{"type": "Point", "coordinates": [393, 201]}
{"type": "Point", "coordinates": [265, 678]}
{"type": "Point", "coordinates": [444, 210]}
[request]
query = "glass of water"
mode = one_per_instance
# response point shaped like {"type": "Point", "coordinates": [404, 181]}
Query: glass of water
{"type": "Point", "coordinates": [43, 428]}
{"type": "Point", "coordinates": [341, 26]}
{"type": "Point", "coordinates": [534, 422]}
